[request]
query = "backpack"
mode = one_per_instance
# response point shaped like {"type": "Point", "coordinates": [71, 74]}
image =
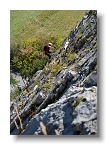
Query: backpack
{"type": "Point", "coordinates": [45, 47]}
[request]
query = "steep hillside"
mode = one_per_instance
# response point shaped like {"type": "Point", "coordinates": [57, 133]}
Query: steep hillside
{"type": "Point", "coordinates": [31, 30]}
{"type": "Point", "coordinates": [61, 99]}
{"type": "Point", "coordinates": [30, 23]}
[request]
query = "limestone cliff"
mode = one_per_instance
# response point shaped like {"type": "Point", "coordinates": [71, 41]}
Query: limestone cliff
{"type": "Point", "coordinates": [63, 96]}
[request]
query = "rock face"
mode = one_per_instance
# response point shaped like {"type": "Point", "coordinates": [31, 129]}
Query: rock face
{"type": "Point", "coordinates": [63, 101]}
{"type": "Point", "coordinates": [90, 80]}
{"type": "Point", "coordinates": [19, 80]}
{"type": "Point", "coordinates": [74, 112]}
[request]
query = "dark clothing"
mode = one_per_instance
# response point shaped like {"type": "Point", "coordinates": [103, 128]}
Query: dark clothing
{"type": "Point", "coordinates": [48, 55]}
{"type": "Point", "coordinates": [47, 51]}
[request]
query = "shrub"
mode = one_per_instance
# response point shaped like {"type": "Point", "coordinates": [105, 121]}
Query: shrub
{"type": "Point", "coordinates": [30, 56]}
{"type": "Point", "coordinates": [71, 57]}
{"type": "Point", "coordinates": [55, 68]}
{"type": "Point", "coordinates": [14, 49]}
{"type": "Point", "coordinates": [47, 85]}
{"type": "Point", "coordinates": [16, 63]}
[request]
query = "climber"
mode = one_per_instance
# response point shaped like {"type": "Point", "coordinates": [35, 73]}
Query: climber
{"type": "Point", "coordinates": [47, 50]}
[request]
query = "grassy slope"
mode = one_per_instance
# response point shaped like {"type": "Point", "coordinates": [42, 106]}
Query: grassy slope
{"type": "Point", "coordinates": [26, 24]}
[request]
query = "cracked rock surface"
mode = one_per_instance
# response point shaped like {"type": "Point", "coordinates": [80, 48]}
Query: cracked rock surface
{"type": "Point", "coordinates": [68, 102]}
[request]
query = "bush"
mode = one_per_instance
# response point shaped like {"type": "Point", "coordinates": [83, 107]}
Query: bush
{"type": "Point", "coordinates": [71, 57]}
{"type": "Point", "coordinates": [55, 68]}
{"type": "Point", "coordinates": [16, 64]}
{"type": "Point", "coordinates": [46, 85]}
{"type": "Point", "coordinates": [30, 57]}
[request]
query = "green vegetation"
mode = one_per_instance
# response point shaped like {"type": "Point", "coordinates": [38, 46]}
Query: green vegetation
{"type": "Point", "coordinates": [46, 85]}
{"type": "Point", "coordinates": [31, 30]}
{"type": "Point", "coordinates": [15, 93]}
{"type": "Point", "coordinates": [30, 23]}
{"type": "Point", "coordinates": [71, 57]}
{"type": "Point", "coordinates": [77, 101]}
{"type": "Point", "coordinates": [12, 80]}
{"type": "Point", "coordinates": [55, 68]}
{"type": "Point", "coordinates": [50, 71]}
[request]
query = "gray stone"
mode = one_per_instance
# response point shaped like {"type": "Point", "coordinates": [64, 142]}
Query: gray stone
{"type": "Point", "coordinates": [61, 88]}
{"type": "Point", "coordinates": [61, 116]}
{"type": "Point", "coordinates": [38, 99]}
{"type": "Point", "coordinates": [70, 106]}
{"type": "Point", "coordinates": [90, 80]}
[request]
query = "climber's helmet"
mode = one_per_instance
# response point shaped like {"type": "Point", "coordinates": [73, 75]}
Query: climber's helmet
{"type": "Point", "coordinates": [50, 44]}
